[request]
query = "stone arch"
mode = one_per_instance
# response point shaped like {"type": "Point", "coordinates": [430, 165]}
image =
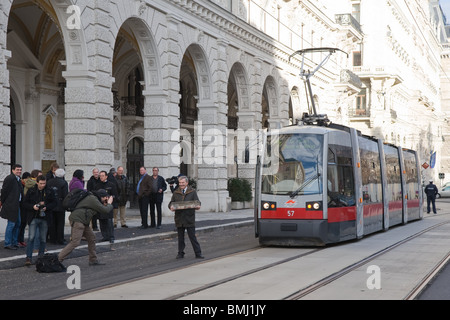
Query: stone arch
{"type": "Point", "coordinates": [38, 57]}
{"type": "Point", "coordinates": [70, 24]}
{"type": "Point", "coordinates": [295, 112]}
{"type": "Point", "coordinates": [270, 102]}
{"type": "Point", "coordinates": [147, 51]}
{"type": "Point", "coordinates": [239, 76]}
{"type": "Point", "coordinates": [239, 116]}
{"type": "Point", "coordinates": [202, 69]}
{"type": "Point", "coordinates": [16, 94]}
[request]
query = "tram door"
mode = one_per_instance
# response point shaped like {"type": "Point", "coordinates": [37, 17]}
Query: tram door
{"type": "Point", "coordinates": [412, 190]}
{"type": "Point", "coordinates": [135, 160]}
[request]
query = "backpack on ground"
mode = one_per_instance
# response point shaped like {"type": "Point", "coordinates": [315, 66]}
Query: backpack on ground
{"type": "Point", "coordinates": [49, 263]}
{"type": "Point", "coordinates": [73, 198]}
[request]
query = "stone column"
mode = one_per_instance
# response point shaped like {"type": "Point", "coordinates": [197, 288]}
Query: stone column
{"type": "Point", "coordinates": [80, 122]}
{"type": "Point", "coordinates": [210, 137]}
{"type": "Point", "coordinates": [211, 153]}
{"type": "Point", "coordinates": [5, 130]}
{"type": "Point", "coordinates": [160, 132]}
{"type": "Point", "coordinates": [248, 135]}
{"type": "Point", "coordinates": [166, 104]}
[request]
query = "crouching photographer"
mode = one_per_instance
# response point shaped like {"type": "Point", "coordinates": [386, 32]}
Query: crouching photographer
{"type": "Point", "coordinates": [80, 218]}
{"type": "Point", "coordinates": [39, 202]}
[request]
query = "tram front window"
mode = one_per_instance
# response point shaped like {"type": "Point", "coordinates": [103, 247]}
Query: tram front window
{"type": "Point", "coordinates": [293, 164]}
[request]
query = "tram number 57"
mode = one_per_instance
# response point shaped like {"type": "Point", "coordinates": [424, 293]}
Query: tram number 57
{"type": "Point", "coordinates": [290, 213]}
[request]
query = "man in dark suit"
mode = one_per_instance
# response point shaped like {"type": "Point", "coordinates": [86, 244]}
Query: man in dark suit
{"type": "Point", "coordinates": [106, 220]}
{"type": "Point", "coordinates": [154, 187]}
{"type": "Point", "coordinates": [11, 196]}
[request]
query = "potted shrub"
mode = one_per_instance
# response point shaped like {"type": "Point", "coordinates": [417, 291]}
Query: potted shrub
{"type": "Point", "coordinates": [240, 191]}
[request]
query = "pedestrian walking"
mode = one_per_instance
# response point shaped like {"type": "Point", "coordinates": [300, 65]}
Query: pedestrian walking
{"type": "Point", "coordinates": [431, 191]}
{"type": "Point", "coordinates": [10, 198]}
{"type": "Point", "coordinates": [185, 218]}
{"type": "Point", "coordinates": [39, 203]}
{"type": "Point", "coordinates": [80, 218]}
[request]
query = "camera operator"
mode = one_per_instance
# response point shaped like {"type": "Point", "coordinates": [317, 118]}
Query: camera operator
{"type": "Point", "coordinates": [39, 202]}
{"type": "Point", "coordinates": [80, 218]}
{"type": "Point", "coordinates": [173, 181]}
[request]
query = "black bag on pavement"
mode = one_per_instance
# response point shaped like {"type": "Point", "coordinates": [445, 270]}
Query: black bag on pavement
{"type": "Point", "coordinates": [49, 263]}
{"type": "Point", "coordinates": [73, 198]}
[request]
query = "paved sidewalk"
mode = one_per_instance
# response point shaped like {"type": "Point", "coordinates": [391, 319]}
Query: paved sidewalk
{"type": "Point", "coordinates": [204, 221]}
{"type": "Point", "coordinates": [134, 219]}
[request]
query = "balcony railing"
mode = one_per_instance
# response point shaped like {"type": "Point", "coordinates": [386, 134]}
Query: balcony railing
{"type": "Point", "coordinates": [347, 19]}
{"type": "Point", "coordinates": [355, 112]}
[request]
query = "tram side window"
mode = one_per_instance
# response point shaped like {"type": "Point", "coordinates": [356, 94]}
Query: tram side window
{"type": "Point", "coordinates": [370, 171]}
{"type": "Point", "coordinates": [394, 184]}
{"type": "Point", "coordinates": [411, 176]}
{"type": "Point", "coordinates": [341, 189]}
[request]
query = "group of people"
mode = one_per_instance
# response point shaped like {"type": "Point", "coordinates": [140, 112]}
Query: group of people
{"type": "Point", "coordinates": [35, 200]}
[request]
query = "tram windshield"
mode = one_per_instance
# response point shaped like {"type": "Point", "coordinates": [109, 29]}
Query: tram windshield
{"type": "Point", "coordinates": [292, 164]}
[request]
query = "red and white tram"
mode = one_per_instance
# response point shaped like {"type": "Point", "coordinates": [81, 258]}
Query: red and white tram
{"type": "Point", "coordinates": [324, 184]}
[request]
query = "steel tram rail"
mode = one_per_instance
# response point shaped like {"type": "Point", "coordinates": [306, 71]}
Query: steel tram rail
{"type": "Point", "coordinates": [243, 274]}
{"type": "Point", "coordinates": [335, 276]}
{"type": "Point", "coordinates": [410, 296]}
{"type": "Point", "coordinates": [311, 288]}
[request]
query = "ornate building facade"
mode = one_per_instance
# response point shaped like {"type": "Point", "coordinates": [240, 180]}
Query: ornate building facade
{"type": "Point", "coordinates": [182, 84]}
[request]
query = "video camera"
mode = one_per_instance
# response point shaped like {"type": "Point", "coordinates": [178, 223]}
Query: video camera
{"type": "Point", "coordinates": [172, 180]}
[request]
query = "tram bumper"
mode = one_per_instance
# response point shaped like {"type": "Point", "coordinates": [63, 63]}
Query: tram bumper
{"type": "Point", "coordinates": [293, 232]}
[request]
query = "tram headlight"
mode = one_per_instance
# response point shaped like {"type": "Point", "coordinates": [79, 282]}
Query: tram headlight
{"type": "Point", "coordinates": [314, 205]}
{"type": "Point", "coordinates": [269, 205]}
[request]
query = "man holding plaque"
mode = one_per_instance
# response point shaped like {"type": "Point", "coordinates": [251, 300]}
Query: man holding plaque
{"type": "Point", "coordinates": [184, 202]}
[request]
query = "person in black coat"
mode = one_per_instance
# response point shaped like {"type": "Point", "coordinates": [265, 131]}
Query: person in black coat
{"type": "Point", "coordinates": [39, 203]}
{"type": "Point", "coordinates": [60, 189]}
{"type": "Point", "coordinates": [106, 221]}
{"type": "Point", "coordinates": [10, 198]}
{"type": "Point", "coordinates": [91, 186]}
{"type": "Point", "coordinates": [185, 218]}
{"type": "Point", "coordinates": [431, 191]}
{"type": "Point", "coordinates": [154, 187]}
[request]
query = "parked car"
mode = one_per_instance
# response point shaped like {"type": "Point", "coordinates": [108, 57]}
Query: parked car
{"type": "Point", "coordinates": [444, 193]}
{"type": "Point", "coordinates": [445, 185]}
